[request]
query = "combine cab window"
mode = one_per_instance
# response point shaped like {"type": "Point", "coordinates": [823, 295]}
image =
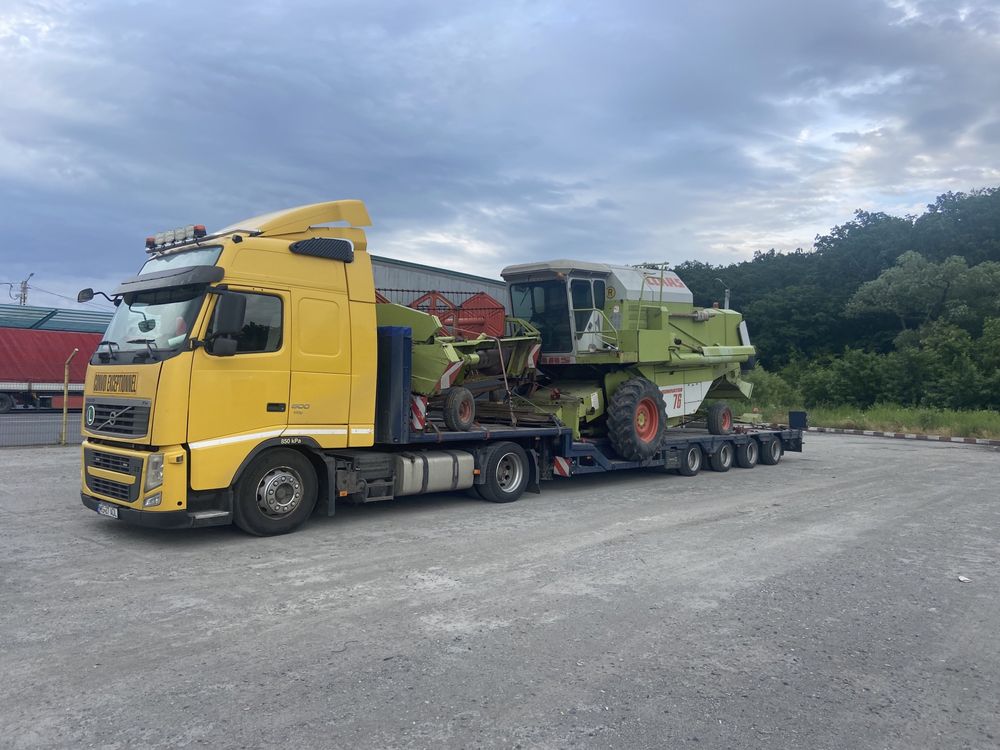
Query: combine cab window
{"type": "Point", "coordinates": [544, 304]}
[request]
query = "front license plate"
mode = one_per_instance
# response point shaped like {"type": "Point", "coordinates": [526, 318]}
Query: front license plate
{"type": "Point", "coordinates": [107, 510]}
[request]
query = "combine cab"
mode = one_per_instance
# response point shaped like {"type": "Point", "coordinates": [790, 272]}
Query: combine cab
{"type": "Point", "coordinates": [626, 353]}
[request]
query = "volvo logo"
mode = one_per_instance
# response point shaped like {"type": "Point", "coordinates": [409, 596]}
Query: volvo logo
{"type": "Point", "coordinates": [91, 416]}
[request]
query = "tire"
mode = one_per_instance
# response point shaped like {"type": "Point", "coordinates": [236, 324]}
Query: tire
{"type": "Point", "coordinates": [720, 419]}
{"type": "Point", "coordinates": [505, 470]}
{"type": "Point", "coordinates": [691, 461]}
{"type": "Point", "coordinates": [459, 409]}
{"type": "Point", "coordinates": [6, 403]}
{"type": "Point", "coordinates": [276, 493]}
{"type": "Point", "coordinates": [771, 452]}
{"type": "Point", "coordinates": [722, 459]}
{"type": "Point", "coordinates": [747, 454]}
{"type": "Point", "coordinates": [637, 419]}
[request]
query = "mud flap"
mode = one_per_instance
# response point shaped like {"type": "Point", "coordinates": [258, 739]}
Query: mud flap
{"type": "Point", "coordinates": [532, 485]}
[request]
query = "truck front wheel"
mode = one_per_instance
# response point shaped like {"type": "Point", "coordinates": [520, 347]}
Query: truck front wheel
{"type": "Point", "coordinates": [276, 493]}
{"type": "Point", "coordinates": [505, 473]}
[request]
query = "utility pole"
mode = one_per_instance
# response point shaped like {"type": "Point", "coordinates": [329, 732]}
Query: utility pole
{"type": "Point", "coordinates": [23, 297]}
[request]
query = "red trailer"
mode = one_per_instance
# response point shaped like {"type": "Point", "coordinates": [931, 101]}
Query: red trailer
{"type": "Point", "coordinates": [32, 364]}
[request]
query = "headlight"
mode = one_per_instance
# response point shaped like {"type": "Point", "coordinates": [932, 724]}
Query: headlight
{"type": "Point", "coordinates": [154, 471]}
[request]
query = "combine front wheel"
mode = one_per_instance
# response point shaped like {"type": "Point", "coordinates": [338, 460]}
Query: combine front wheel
{"type": "Point", "coordinates": [636, 419]}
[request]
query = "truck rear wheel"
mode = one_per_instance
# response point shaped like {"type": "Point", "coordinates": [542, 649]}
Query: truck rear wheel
{"type": "Point", "coordinates": [6, 403]}
{"type": "Point", "coordinates": [722, 459]}
{"type": "Point", "coordinates": [747, 454]}
{"type": "Point", "coordinates": [720, 419]}
{"type": "Point", "coordinates": [505, 471]}
{"type": "Point", "coordinates": [276, 493]}
{"type": "Point", "coordinates": [771, 452]}
{"type": "Point", "coordinates": [636, 419]}
{"type": "Point", "coordinates": [459, 409]}
{"type": "Point", "coordinates": [691, 461]}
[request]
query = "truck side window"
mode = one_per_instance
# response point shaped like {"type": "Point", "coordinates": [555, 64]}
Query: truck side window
{"type": "Point", "coordinates": [261, 325]}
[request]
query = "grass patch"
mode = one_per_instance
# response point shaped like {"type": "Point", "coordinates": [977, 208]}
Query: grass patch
{"type": "Point", "coordinates": [893, 418]}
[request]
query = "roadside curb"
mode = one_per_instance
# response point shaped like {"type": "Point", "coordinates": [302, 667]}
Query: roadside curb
{"type": "Point", "coordinates": [908, 436]}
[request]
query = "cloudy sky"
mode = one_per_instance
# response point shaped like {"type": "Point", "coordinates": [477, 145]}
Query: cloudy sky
{"type": "Point", "coordinates": [485, 133]}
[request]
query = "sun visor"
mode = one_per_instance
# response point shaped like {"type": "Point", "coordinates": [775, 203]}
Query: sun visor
{"type": "Point", "coordinates": [172, 278]}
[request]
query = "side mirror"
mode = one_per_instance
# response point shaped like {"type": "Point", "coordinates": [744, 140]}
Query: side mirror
{"type": "Point", "coordinates": [85, 295]}
{"type": "Point", "coordinates": [230, 311]}
{"type": "Point", "coordinates": [223, 347]}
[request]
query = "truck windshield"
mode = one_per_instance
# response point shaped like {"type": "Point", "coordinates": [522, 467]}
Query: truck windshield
{"type": "Point", "coordinates": [150, 325]}
{"type": "Point", "coordinates": [545, 305]}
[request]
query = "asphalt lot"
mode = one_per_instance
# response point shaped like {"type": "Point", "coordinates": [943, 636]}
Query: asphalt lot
{"type": "Point", "coordinates": [24, 427]}
{"type": "Point", "coordinates": [815, 604]}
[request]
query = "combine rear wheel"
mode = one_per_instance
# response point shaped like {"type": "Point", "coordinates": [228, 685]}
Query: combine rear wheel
{"type": "Point", "coordinates": [720, 419]}
{"type": "Point", "coordinates": [636, 419]}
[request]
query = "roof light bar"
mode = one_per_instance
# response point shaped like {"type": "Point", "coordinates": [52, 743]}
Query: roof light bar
{"type": "Point", "coordinates": [172, 237]}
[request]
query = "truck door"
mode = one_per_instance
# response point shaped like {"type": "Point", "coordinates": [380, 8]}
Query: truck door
{"type": "Point", "coordinates": [238, 401]}
{"type": "Point", "coordinates": [321, 365]}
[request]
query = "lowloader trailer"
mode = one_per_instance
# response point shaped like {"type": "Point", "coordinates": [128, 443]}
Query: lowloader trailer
{"type": "Point", "coordinates": [252, 377]}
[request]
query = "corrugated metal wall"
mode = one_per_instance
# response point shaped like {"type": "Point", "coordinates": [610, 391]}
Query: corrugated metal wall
{"type": "Point", "coordinates": [402, 282]}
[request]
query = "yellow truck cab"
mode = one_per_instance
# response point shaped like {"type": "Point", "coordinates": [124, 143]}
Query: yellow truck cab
{"type": "Point", "coordinates": [226, 351]}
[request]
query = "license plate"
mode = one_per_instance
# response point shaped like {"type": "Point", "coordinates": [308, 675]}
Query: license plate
{"type": "Point", "coordinates": [110, 511]}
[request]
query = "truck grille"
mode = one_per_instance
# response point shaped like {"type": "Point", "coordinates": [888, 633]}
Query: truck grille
{"type": "Point", "coordinates": [106, 487]}
{"type": "Point", "coordinates": [116, 417]}
{"type": "Point", "coordinates": [129, 465]}
{"type": "Point", "coordinates": [114, 462]}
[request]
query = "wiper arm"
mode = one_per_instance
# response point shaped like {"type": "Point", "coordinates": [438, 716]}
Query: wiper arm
{"type": "Point", "coordinates": [148, 343]}
{"type": "Point", "coordinates": [111, 351]}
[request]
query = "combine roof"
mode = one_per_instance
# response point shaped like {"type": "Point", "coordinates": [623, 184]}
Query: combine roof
{"type": "Point", "coordinates": [53, 319]}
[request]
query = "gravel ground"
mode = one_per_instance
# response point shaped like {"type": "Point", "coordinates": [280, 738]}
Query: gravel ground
{"type": "Point", "coordinates": [815, 604]}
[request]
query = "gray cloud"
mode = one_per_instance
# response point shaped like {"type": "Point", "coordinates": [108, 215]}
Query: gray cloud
{"type": "Point", "coordinates": [482, 134]}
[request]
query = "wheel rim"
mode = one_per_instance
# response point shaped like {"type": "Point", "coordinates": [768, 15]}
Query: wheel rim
{"type": "Point", "coordinates": [775, 449]}
{"type": "Point", "coordinates": [694, 459]}
{"type": "Point", "coordinates": [752, 452]}
{"type": "Point", "coordinates": [647, 420]}
{"type": "Point", "coordinates": [465, 411]}
{"type": "Point", "coordinates": [727, 419]}
{"type": "Point", "coordinates": [726, 454]}
{"type": "Point", "coordinates": [509, 472]}
{"type": "Point", "coordinates": [279, 492]}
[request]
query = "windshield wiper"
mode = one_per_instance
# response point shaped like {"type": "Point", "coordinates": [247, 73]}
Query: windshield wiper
{"type": "Point", "coordinates": [111, 350]}
{"type": "Point", "coordinates": [149, 346]}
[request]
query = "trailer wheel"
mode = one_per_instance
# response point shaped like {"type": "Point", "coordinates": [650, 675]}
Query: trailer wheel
{"type": "Point", "coordinates": [459, 409]}
{"type": "Point", "coordinates": [771, 452]}
{"type": "Point", "coordinates": [6, 403]}
{"type": "Point", "coordinates": [722, 459]}
{"type": "Point", "coordinates": [505, 469]}
{"type": "Point", "coordinates": [720, 419]}
{"type": "Point", "coordinates": [636, 419]}
{"type": "Point", "coordinates": [690, 462]}
{"type": "Point", "coordinates": [747, 454]}
{"type": "Point", "coordinates": [276, 493]}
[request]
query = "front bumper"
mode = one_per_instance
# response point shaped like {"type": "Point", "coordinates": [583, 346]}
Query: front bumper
{"type": "Point", "coordinates": [172, 519]}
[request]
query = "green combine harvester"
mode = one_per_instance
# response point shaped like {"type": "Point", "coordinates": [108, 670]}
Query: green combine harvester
{"type": "Point", "coordinates": [609, 351]}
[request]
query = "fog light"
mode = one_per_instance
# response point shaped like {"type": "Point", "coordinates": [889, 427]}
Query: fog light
{"type": "Point", "coordinates": [154, 471]}
{"type": "Point", "coordinates": [151, 501]}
